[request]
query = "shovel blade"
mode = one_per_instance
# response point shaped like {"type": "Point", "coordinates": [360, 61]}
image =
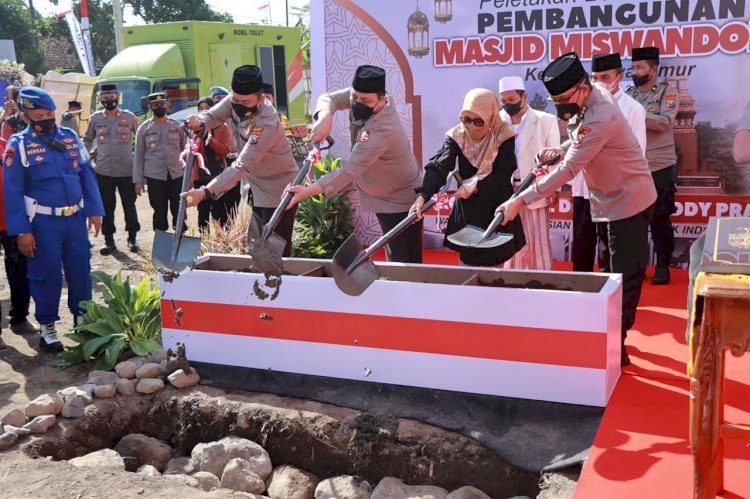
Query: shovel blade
{"type": "Point", "coordinates": [469, 236]}
{"type": "Point", "coordinates": [355, 282]}
{"type": "Point", "coordinates": [162, 252]}
{"type": "Point", "coordinates": [255, 230]}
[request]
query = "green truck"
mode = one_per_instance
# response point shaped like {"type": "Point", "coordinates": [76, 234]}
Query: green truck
{"type": "Point", "coordinates": [185, 59]}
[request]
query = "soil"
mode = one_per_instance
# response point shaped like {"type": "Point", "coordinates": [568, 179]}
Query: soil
{"type": "Point", "coordinates": [532, 284]}
{"type": "Point", "coordinates": [26, 373]}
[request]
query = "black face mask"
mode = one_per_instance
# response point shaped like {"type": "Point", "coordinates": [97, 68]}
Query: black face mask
{"type": "Point", "coordinates": [43, 127]}
{"type": "Point", "coordinates": [360, 112]}
{"type": "Point", "coordinates": [567, 110]}
{"type": "Point", "coordinates": [640, 80]}
{"type": "Point", "coordinates": [243, 111]}
{"type": "Point", "coordinates": [109, 105]}
{"type": "Point", "coordinates": [159, 112]}
{"type": "Point", "coordinates": [514, 108]}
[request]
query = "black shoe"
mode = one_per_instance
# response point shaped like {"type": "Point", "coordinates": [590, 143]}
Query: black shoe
{"type": "Point", "coordinates": [49, 342]}
{"type": "Point", "coordinates": [133, 245]}
{"type": "Point", "coordinates": [661, 276]}
{"type": "Point", "coordinates": [108, 248]}
{"type": "Point", "coordinates": [625, 359]}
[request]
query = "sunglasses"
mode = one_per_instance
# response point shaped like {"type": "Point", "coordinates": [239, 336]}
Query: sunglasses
{"type": "Point", "coordinates": [479, 122]}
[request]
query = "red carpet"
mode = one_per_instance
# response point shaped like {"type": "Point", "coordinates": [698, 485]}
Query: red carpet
{"type": "Point", "coordinates": [642, 448]}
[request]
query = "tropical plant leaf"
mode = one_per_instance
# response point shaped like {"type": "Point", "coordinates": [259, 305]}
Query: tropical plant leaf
{"type": "Point", "coordinates": [92, 346]}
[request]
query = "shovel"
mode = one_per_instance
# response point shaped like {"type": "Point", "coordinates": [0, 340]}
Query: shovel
{"type": "Point", "coordinates": [264, 245]}
{"type": "Point", "coordinates": [176, 253]}
{"type": "Point", "coordinates": [353, 271]}
{"type": "Point", "coordinates": [474, 237]}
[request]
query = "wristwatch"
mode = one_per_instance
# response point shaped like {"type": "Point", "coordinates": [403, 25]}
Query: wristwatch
{"type": "Point", "coordinates": [206, 192]}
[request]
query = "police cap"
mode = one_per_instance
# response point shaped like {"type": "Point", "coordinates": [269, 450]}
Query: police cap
{"type": "Point", "coordinates": [605, 62]}
{"type": "Point", "coordinates": [35, 98]}
{"type": "Point", "coordinates": [247, 80]}
{"type": "Point", "coordinates": [646, 54]}
{"type": "Point", "coordinates": [563, 73]}
{"type": "Point", "coordinates": [369, 80]}
{"type": "Point", "coordinates": [219, 91]}
{"type": "Point", "coordinates": [157, 98]}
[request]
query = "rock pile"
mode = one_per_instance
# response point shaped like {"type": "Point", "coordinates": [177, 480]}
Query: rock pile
{"type": "Point", "coordinates": [144, 375]}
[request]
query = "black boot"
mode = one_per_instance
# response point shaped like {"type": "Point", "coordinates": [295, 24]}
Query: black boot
{"type": "Point", "coordinates": [132, 244]}
{"type": "Point", "coordinates": [109, 246]}
{"type": "Point", "coordinates": [661, 276]}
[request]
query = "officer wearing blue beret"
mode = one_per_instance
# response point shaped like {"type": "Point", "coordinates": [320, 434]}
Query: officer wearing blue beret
{"type": "Point", "coordinates": [50, 190]}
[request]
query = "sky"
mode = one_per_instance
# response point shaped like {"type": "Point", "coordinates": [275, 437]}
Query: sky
{"type": "Point", "coordinates": [243, 11]}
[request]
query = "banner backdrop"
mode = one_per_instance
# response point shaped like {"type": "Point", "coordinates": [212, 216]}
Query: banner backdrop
{"type": "Point", "coordinates": [435, 51]}
{"type": "Point", "coordinates": [78, 41]}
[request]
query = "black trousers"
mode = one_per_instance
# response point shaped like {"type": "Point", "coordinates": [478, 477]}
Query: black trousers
{"type": "Point", "coordinates": [589, 239]}
{"type": "Point", "coordinates": [16, 270]}
{"type": "Point", "coordinates": [285, 227]}
{"type": "Point", "coordinates": [109, 186]}
{"type": "Point", "coordinates": [662, 232]}
{"type": "Point", "coordinates": [407, 247]}
{"type": "Point", "coordinates": [628, 249]}
{"type": "Point", "coordinates": [164, 195]}
{"type": "Point", "coordinates": [218, 209]}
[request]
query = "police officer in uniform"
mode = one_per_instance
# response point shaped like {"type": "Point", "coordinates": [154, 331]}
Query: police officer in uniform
{"type": "Point", "coordinates": [218, 94]}
{"type": "Point", "coordinates": [69, 117]}
{"type": "Point", "coordinates": [50, 190]}
{"type": "Point", "coordinates": [109, 139]}
{"type": "Point", "coordinates": [381, 164]}
{"type": "Point", "coordinates": [661, 102]}
{"type": "Point", "coordinates": [602, 145]}
{"type": "Point", "coordinates": [158, 144]}
{"type": "Point", "coordinates": [265, 157]}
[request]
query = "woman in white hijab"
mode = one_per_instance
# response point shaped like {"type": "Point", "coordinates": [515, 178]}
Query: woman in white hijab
{"type": "Point", "coordinates": [483, 146]}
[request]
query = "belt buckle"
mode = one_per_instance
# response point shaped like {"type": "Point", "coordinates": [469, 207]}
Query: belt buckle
{"type": "Point", "coordinates": [68, 211]}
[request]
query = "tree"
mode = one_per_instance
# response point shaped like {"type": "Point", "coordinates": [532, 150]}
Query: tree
{"type": "Point", "coordinates": [102, 29]}
{"type": "Point", "coordinates": [15, 25]}
{"type": "Point", "coordinates": [303, 21]}
{"type": "Point", "coordinates": [166, 11]}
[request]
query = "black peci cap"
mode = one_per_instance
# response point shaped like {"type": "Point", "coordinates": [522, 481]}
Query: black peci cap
{"type": "Point", "coordinates": [605, 62]}
{"type": "Point", "coordinates": [646, 54]}
{"type": "Point", "coordinates": [563, 73]}
{"type": "Point", "coordinates": [108, 88]}
{"type": "Point", "coordinates": [369, 80]}
{"type": "Point", "coordinates": [247, 80]}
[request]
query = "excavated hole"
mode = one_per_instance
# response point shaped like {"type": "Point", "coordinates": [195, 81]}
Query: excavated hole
{"type": "Point", "coordinates": [324, 440]}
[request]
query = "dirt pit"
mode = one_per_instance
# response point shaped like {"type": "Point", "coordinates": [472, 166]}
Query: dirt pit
{"type": "Point", "coordinates": [322, 439]}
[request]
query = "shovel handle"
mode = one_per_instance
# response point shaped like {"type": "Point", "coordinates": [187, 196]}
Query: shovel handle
{"type": "Point", "coordinates": [524, 185]}
{"type": "Point", "coordinates": [401, 227]}
{"type": "Point", "coordinates": [186, 176]}
{"type": "Point", "coordinates": [277, 214]}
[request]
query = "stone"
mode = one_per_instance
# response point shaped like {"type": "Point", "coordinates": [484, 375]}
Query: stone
{"type": "Point", "coordinates": [147, 371]}
{"type": "Point", "coordinates": [88, 387]}
{"type": "Point", "coordinates": [179, 379]}
{"type": "Point", "coordinates": [16, 417]}
{"type": "Point", "coordinates": [183, 479]}
{"type": "Point", "coordinates": [156, 357]}
{"type": "Point", "coordinates": [20, 432]}
{"type": "Point", "coordinates": [41, 424]}
{"type": "Point", "coordinates": [105, 391]}
{"type": "Point", "coordinates": [138, 449]}
{"type": "Point", "coordinates": [179, 466]}
{"type": "Point", "coordinates": [239, 475]}
{"type": "Point", "coordinates": [288, 481]}
{"type": "Point", "coordinates": [393, 488]}
{"type": "Point", "coordinates": [75, 407]}
{"type": "Point", "coordinates": [7, 440]}
{"type": "Point", "coordinates": [44, 404]}
{"type": "Point", "coordinates": [148, 470]}
{"type": "Point", "coordinates": [343, 487]}
{"type": "Point", "coordinates": [149, 385]}
{"type": "Point", "coordinates": [102, 378]}
{"type": "Point", "coordinates": [467, 492]}
{"type": "Point", "coordinates": [207, 481]}
{"type": "Point", "coordinates": [76, 391]}
{"type": "Point", "coordinates": [168, 366]}
{"type": "Point", "coordinates": [214, 456]}
{"type": "Point", "coordinates": [125, 386]}
{"type": "Point", "coordinates": [105, 458]}
{"type": "Point", "coordinates": [126, 369]}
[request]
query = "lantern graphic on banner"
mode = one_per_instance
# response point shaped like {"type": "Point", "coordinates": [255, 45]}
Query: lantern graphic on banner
{"type": "Point", "coordinates": [418, 28]}
{"type": "Point", "coordinates": [443, 10]}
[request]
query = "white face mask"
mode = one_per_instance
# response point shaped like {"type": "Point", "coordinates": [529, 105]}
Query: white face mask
{"type": "Point", "coordinates": [612, 88]}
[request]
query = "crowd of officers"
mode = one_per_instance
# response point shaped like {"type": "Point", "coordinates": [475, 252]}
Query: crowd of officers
{"type": "Point", "coordinates": [622, 182]}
